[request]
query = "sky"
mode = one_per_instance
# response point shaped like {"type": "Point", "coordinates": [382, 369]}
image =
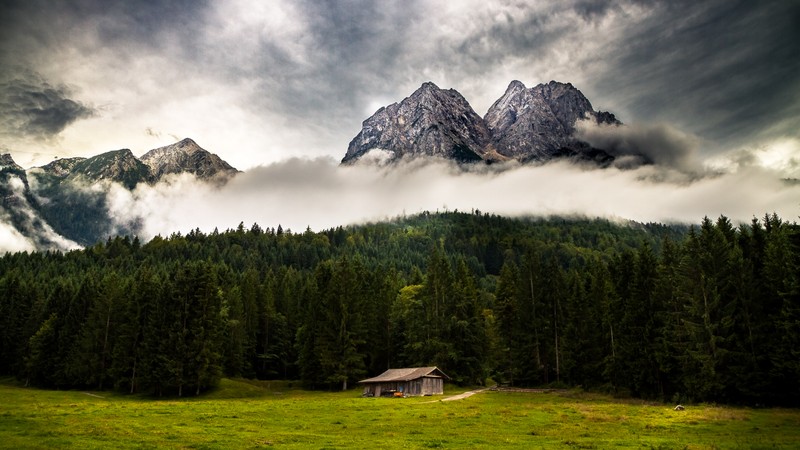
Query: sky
{"type": "Point", "coordinates": [711, 86]}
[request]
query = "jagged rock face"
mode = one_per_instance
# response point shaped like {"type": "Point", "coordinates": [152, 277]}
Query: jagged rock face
{"type": "Point", "coordinates": [71, 201]}
{"type": "Point", "coordinates": [7, 162]}
{"type": "Point", "coordinates": [118, 165]}
{"type": "Point", "coordinates": [524, 124]}
{"type": "Point", "coordinates": [538, 123]}
{"type": "Point", "coordinates": [14, 188]}
{"type": "Point", "coordinates": [431, 122]}
{"type": "Point", "coordinates": [187, 156]}
{"type": "Point", "coordinates": [65, 203]}
{"type": "Point", "coordinates": [20, 209]}
{"type": "Point", "coordinates": [60, 168]}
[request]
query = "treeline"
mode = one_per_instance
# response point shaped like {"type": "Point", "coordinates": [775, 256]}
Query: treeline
{"type": "Point", "coordinates": [707, 313]}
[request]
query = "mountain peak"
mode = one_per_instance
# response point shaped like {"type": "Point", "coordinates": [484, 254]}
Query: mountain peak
{"type": "Point", "coordinates": [431, 122]}
{"type": "Point", "coordinates": [429, 86]}
{"type": "Point", "coordinates": [7, 161]}
{"type": "Point", "coordinates": [430, 93]}
{"type": "Point", "coordinates": [567, 85]}
{"type": "Point", "coordinates": [186, 156]}
{"type": "Point", "coordinates": [515, 85]}
{"type": "Point", "coordinates": [525, 124]}
{"type": "Point", "coordinates": [187, 145]}
{"type": "Point", "coordinates": [539, 123]}
{"type": "Point", "coordinates": [115, 165]}
{"type": "Point", "coordinates": [60, 167]}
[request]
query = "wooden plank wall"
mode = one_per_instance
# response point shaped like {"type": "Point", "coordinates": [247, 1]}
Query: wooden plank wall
{"type": "Point", "coordinates": [420, 386]}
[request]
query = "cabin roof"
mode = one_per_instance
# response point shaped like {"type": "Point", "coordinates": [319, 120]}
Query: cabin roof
{"type": "Point", "coordinates": [406, 374]}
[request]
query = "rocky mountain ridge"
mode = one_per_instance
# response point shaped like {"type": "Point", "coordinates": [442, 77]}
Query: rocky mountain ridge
{"type": "Point", "coordinates": [434, 121]}
{"type": "Point", "coordinates": [186, 156]}
{"type": "Point", "coordinates": [64, 204]}
{"type": "Point", "coordinates": [535, 124]}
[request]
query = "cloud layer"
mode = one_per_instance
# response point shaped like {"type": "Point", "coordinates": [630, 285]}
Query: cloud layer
{"type": "Point", "coordinates": [659, 144]}
{"type": "Point", "coordinates": [317, 193]}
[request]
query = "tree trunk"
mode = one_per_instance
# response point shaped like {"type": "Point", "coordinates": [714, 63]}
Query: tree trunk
{"type": "Point", "coordinates": [105, 348]}
{"type": "Point", "coordinates": [555, 320]}
{"type": "Point", "coordinates": [535, 329]}
{"type": "Point", "coordinates": [133, 377]}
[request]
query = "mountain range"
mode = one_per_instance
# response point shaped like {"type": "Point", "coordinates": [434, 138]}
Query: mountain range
{"type": "Point", "coordinates": [64, 204]}
{"type": "Point", "coordinates": [526, 125]}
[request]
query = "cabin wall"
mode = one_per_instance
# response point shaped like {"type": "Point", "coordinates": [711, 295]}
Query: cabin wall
{"type": "Point", "coordinates": [376, 389]}
{"type": "Point", "coordinates": [420, 386]}
{"type": "Point", "coordinates": [432, 386]}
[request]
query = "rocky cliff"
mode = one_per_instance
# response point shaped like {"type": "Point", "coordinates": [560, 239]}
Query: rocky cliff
{"type": "Point", "coordinates": [535, 124]}
{"type": "Point", "coordinates": [65, 203]}
{"type": "Point", "coordinates": [432, 122]}
{"type": "Point", "coordinates": [186, 157]}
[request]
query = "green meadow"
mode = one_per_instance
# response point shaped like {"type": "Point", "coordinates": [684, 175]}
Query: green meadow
{"type": "Point", "coordinates": [244, 414]}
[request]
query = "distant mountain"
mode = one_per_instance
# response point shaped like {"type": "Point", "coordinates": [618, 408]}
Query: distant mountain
{"type": "Point", "coordinates": [535, 124]}
{"type": "Point", "coordinates": [117, 165]}
{"type": "Point", "coordinates": [539, 123]}
{"type": "Point", "coordinates": [21, 211]}
{"type": "Point", "coordinates": [65, 203]}
{"type": "Point", "coordinates": [73, 193]}
{"type": "Point", "coordinates": [187, 157]}
{"type": "Point", "coordinates": [432, 121]}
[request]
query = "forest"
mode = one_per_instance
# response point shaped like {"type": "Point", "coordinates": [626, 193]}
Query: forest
{"type": "Point", "coordinates": [703, 313]}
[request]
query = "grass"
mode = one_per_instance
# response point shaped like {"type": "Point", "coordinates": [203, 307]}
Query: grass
{"type": "Point", "coordinates": [243, 414]}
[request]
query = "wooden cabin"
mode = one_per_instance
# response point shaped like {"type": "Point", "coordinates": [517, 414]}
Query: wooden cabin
{"type": "Point", "coordinates": [410, 381]}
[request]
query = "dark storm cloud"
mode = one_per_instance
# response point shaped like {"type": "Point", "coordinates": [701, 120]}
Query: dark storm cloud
{"type": "Point", "coordinates": [34, 108]}
{"type": "Point", "coordinates": [114, 21]}
{"type": "Point", "coordinates": [659, 144]}
{"type": "Point", "coordinates": [726, 70]}
{"type": "Point", "coordinates": [36, 34]}
{"type": "Point", "coordinates": [592, 9]}
{"type": "Point", "coordinates": [354, 49]}
{"type": "Point", "coordinates": [506, 37]}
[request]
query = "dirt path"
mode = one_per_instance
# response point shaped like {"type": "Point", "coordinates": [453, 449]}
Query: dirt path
{"type": "Point", "coordinates": [495, 388]}
{"type": "Point", "coordinates": [93, 395]}
{"type": "Point", "coordinates": [459, 396]}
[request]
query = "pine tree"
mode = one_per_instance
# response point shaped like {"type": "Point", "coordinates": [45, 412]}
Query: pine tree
{"type": "Point", "coordinates": [782, 312]}
{"type": "Point", "coordinates": [17, 299]}
{"type": "Point", "coordinates": [39, 363]}
{"type": "Point", "coordinates": [583, 332]}
{"type": "Point", "coordinates": [340, 349]}
{"type": "Point", "coordinates": [129, 349]}
{"type": "Point", "coordinates": [507, 315]}
{"type": "Point", "coordinates": [466, 331]}
{"type": "Point", "coordinates": [711, 305]}
{"type": "Point", "coordinates": [408, 326]}
{"type": "Point", "coordinates": [307, 338]}
{"type": "Point", "coordinates": [671, 338]}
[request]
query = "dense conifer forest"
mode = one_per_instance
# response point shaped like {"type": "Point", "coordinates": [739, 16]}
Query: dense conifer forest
{"type": "Point", "coordinates": [703, 313]}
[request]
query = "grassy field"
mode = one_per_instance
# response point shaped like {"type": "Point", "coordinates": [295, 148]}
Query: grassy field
{"type": "Point", "coordinates": [244, 414]}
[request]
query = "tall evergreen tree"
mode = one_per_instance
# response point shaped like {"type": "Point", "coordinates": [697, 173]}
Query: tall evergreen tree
{"type": "Point", "coordinates": [466, 330]}
{"type": "Point", "coordinates": [507, 315]}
